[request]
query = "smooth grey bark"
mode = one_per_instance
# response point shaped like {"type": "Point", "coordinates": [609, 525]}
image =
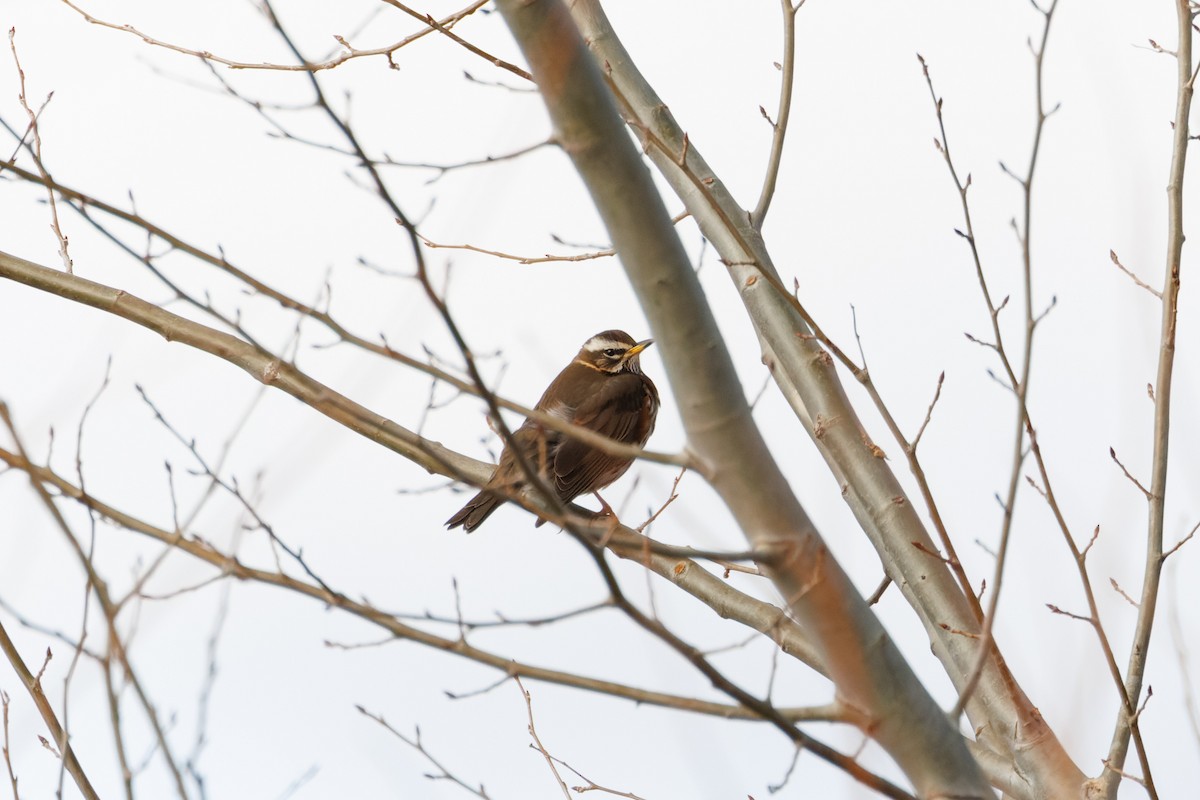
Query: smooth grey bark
{"type": "Point", "coordinates": [1002, 716]}
{"type": "Point", "coordinates": [870, 674]}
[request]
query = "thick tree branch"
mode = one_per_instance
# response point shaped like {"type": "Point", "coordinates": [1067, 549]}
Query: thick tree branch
{"type": "Point", "coordinates": [1000, 712]}
{"type": "Point", "coordinates": [869, 672]}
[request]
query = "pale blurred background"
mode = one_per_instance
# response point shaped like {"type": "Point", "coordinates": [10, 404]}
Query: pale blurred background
{"type": "Point", "coordinates": [864, 217]}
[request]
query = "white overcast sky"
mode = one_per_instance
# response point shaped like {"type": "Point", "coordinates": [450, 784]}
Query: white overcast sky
{"type": "Point", "coordinates": [864, 217]}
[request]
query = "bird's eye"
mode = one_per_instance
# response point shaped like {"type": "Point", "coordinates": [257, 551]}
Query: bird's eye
{"type": "Point", "coordinates": [612, 352]}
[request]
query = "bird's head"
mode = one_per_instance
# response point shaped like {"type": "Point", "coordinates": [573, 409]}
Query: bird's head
{"type": "Point", "coordinates": [613, 352]}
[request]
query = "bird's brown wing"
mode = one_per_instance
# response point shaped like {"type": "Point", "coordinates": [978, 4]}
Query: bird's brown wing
{"type": "Point", "coordinates": [616, 411]}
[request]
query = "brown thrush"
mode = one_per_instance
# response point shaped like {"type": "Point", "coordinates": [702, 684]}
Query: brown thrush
{"type": "Point", "coordinates": [602, 390]}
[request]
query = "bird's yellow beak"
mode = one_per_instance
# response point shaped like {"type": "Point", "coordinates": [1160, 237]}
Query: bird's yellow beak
{"type": "Point", "coordinates": [637, 348]}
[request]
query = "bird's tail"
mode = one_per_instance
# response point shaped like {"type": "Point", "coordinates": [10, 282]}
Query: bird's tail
{"type": "Point", "coordinates": [472, 515]}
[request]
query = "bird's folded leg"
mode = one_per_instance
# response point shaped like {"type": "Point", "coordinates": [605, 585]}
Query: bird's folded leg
{"type": "Point", "coordinates": [613, 523]}
{"type": "Point", "coordinates": [605, 509]}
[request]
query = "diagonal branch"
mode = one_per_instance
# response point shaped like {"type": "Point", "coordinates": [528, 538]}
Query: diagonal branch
{"type": "Point", "coordinates": [802, 370]}
{"type": "Point", "coordinates": [1001, 714]}
{"type": "Point", "coordinates": [870, 673]}
{"type": "Point", "coordinates": [33, 685]}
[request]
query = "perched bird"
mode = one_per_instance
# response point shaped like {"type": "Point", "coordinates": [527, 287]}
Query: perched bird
{"type": "Point", "coordinates": [603, 390]}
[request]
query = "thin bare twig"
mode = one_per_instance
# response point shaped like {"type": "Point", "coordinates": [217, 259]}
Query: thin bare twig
{"type": "Point", "coordinates": [502, 621]}
{"type": "Point", "coordinates": [937, 393]}
{"type": "Point", "coordinates": [109, 610]}
{"type": "Point", "coordinates": [674, 495]}
{"type": "Point", "coordinates": [1056, 610]}
{"type": "Point", "coordinates": [780, 124]}
{"type": "Point", "coordinates": [36, 150]}
{"type": "Point", "coordinates": [231, 488]}
{"type": "Point", "coordinates": [12, 775]}
{"type": "Point", "coordinates": [34, 687]}
{"type": "Point", "coordinates": [537, 741]}
{"type": "Point", "coordinates": [1181, 542]}
{"type": "Point", "coordinates": [444, 169]}
{"type": "Point", "coordinates": [1112, 453]}
{"type": "Point", "coordinates": [114, 718]}
{"type": "Point", "coordinates": [445, 31]}
{"type": "Point", "coordinates": [415, 743]}
{"type": "Point", "coordinates": [1126, 726]}
{"type": "Point", "coordinates": [877, 595]}
{"type": "Point", "coordinates": [1113, 255]}
{"type": "Point", "coordinates": [87, 604]}
{"type": "Point", "coordinates": [1117, 588]}
{"type": "Point", "coordinates": [602, 252]}
{"type": "Point", "coordinates": [347, 53]}
{"type": "Point", "coordinates": [1018, 384]}
{"type": "Point", "coordinates": [548, 257]}
{"type": "Point", "coordinates": [592, 786]}
{"type": "Point", "coordinates": [208, 687]}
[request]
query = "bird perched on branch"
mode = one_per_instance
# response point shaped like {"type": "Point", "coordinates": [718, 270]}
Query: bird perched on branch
{"type": "Point", "coordinates": [602, 389]}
